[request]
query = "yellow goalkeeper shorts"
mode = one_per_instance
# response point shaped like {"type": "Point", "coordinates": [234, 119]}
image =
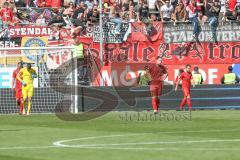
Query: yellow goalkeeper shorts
{"type": "Point", "coordinates": [27, 91]}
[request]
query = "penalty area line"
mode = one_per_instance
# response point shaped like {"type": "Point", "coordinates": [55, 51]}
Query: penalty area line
{"type": "Point", "coordinates": [24, 147]}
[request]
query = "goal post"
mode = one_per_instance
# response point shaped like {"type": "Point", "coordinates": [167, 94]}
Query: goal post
{"type": "Point", "coordinates": [44, 60]}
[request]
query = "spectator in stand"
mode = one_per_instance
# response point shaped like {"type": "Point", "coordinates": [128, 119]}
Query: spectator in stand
{"type": "Point", "coordinates": [129, 16]}
{"type": "Point", "coordinates": [212, 12]}
{"type": "Point", "coordinates": [223, 6]}
{"type": "Point", "coordinates": [200, 8]}
{"type": "Point", "coordinates": [139, 5]}
{"type": "Point", "coordinates": [143, 16]}
{"type": "Point", "coordinates": [41, 21]}
{"type": "Point", "coordinates": [114, 17]}
{"type": "Point", "coordinates": [166, 12]}
{"type": "Point", "coordinates": [174, 3]}
{"type": "Point", "coordinates": [237, 11]}
{"type": "Point", "coordinates": [93, 15]}
{"type": "Point", "coordinates": [84, 17]}
{"type": "Point", "coordinates": [229, 14]}
{"type": "Point", "coordinates": [89, 4]}
{"type": "Point", "coordinates": [12, 6]}
{"type": "Point", "coordinates": [186, 3]}
{"type": "Point", "coordinates": [77, 2]}
{"type": "Point", "coordinates": [79, 10]}
{"type": "Point", "coordinates": [58, 20]}
{"type": "Point", "coordinates": [179, 14]}
{"type": "Point", "coordinates": [124, 14]}
{"type": "Point", "coordinates": [20, 3]}
{"type": "Point", "coordinates": [153, 17]}
{"type": "Point", "coordinates": [193, 18]}
{"type": "Point", "coordinates": [159, 4]}
{"type": "Point", "coordinates": [125, 4]}
{"type": "Point", "coordinates": [70, 10]}
{"type": "Point", "coordinates": [6, 14]}
{"type": "Point", "coordinates": [78, 13]}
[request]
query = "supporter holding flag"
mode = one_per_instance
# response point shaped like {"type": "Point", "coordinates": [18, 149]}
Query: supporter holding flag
{"type": "Point", "coordinates": [193, 18]}
{"type": "Point", "coordinates": [213, 8]}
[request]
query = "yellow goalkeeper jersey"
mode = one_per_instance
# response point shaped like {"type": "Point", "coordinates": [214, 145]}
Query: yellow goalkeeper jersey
{"type": "Point", "coordinates": [27, 75]}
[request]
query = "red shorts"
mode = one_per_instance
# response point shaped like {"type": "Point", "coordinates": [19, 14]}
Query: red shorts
{"type": "Point", "coordinates": [156, 88]}
{"type": "Point", "coordinates": [186, 91]}
{"type": "Point", "coordinates": [18, 94]}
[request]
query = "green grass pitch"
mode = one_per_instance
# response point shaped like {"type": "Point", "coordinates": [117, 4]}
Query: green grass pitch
{"type": "Point", "coordinates": [210, 135]}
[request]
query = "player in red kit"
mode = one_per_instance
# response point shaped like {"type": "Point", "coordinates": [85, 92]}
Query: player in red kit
{"type": "Point", "coordinates": [186, 78]}
{"type": "Point", "coordinates": [158, 73]}
{"type": "Point", "coordinates": [18, 87]}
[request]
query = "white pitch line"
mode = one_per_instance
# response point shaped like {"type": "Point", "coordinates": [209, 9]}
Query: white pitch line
{"type": "Point", "coordinates": [199, 131]}
{"type": "Point", "coordinates": [147, 143]}
{"type": "Point", "coordinates": [24, 147]}
{"type": "Point", "coordinates": [59, 143]}
{"type": "Point", "coordinates": [165, 149]}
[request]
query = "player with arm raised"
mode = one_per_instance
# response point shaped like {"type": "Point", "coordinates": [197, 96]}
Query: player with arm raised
{"type": "Point", "coordinates": [186, 78]}
{"type": "Point", "coordinates": [158, 73]}
{"type": "Point", "coordinates": [17, 87]}
{"type": "Point", "coordinates": [26, 77]}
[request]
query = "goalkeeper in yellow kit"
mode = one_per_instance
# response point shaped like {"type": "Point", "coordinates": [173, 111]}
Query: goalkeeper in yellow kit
{"type": "Point", "coordinates": [26, 76]}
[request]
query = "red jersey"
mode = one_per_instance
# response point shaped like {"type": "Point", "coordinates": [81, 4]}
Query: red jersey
{"type": "Point", "coordinates": [157, 71]}
{"type": "Point", "coordinates": [199, 5]}
{"type": "Point", "coordinates": [186, 79]}
{"type": "Point", "coordinates": [6, 14]}
{"type": "Point", "coordinates": [18, 83]}
{"type": "Point", "coordinates": [232, 4]}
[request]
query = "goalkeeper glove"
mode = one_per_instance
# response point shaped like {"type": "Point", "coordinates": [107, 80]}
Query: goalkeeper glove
{"type": "Point", "coordinates": [34, 75]}
{"type": "Point", "coordinates": [23, 83]}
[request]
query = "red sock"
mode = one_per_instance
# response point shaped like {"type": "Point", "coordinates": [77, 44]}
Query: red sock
{"type": "Point", "coordinates": [189, 104]}
{"type": "Point", "coordinates": [21, 107]}
{"type": "Point", "coordinates": [154, 104]}
{"type": "Point", "coordinates": [184, 100]}
{"type": "Point", "coordinates": [158, 102]}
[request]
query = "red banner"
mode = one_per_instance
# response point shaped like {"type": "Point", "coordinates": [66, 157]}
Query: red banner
{"type": "Point", "coordinates": [130, 57]}
{"type": "Point", "coordinates": [139, 32]}
{"type": "Point", "coordinates": [146, 52]}
{"type": "Point", "coordinates": [126, 74]}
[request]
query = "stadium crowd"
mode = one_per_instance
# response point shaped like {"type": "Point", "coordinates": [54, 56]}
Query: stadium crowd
{"type": "Point", "coordinates": [86, 12]}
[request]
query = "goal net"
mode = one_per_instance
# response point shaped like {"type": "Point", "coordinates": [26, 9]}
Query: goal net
{"type": "Point", "coordinates": [56, 68]}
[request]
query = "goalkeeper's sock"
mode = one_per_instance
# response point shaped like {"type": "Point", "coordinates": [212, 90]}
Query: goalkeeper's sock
{"type": "Point", "coordinates": [24, 105]}
{"type": "Point", "coordinates": [29, 107]}
{"type": "Point", "coordinates": [21, 107]}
